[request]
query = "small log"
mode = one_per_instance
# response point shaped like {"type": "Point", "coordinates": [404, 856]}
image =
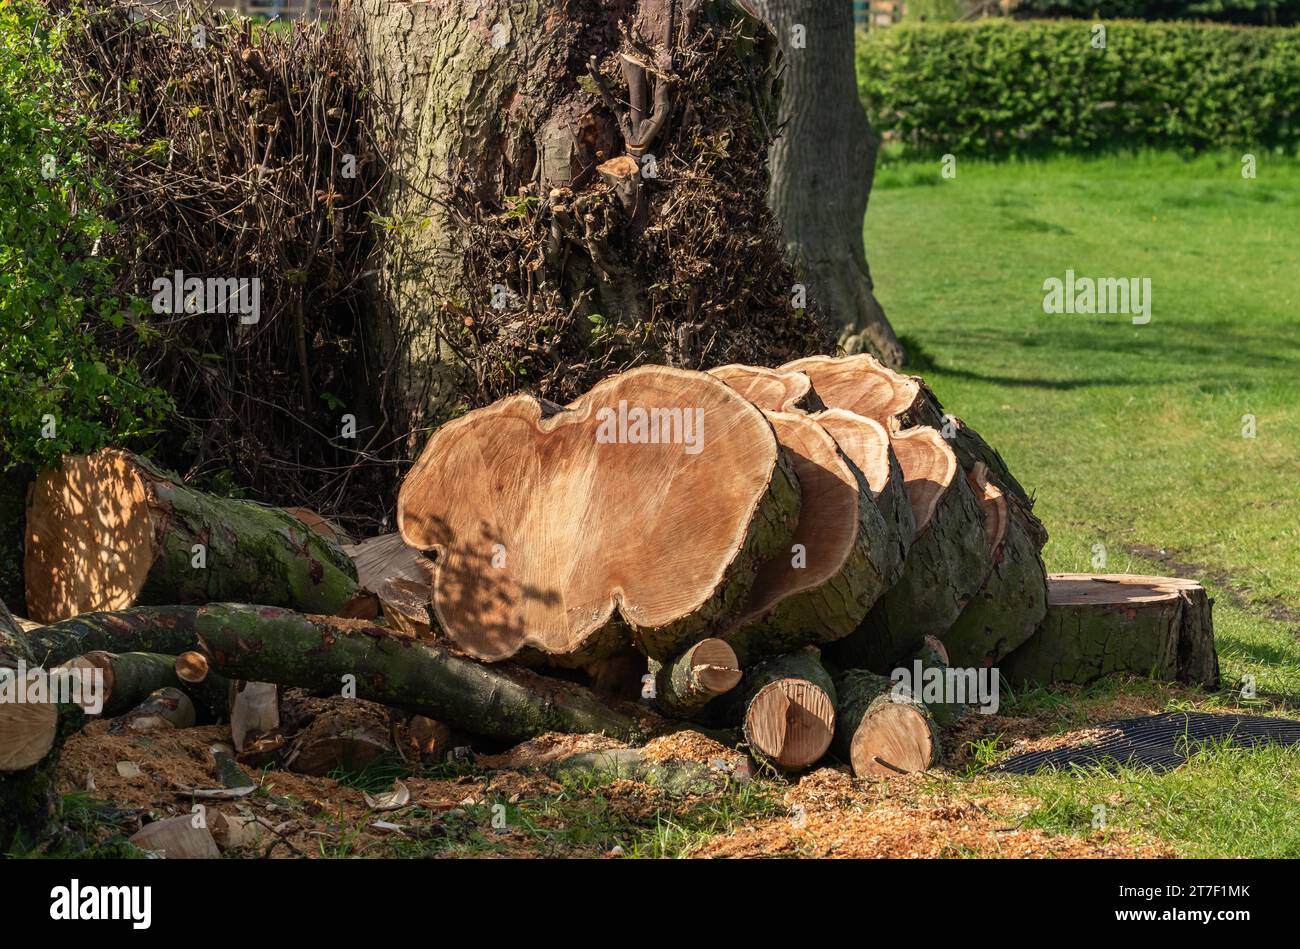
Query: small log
{"type": "Point", "coordinates": [164, 709]}
{"type": "Point", "coordinates": [1013, 600]}
{"type": "Point", "coordinates": [1098, 624]}
{"type": "Point", "coordinates": [429, 739]}
{"type": "Point", "coordinates": [130, 678]}
{"type": "Point", "coordinates": [878, 734]}
{"type": "Point", "coordinates": [346, 734]}
{"type": "Point", "coordinates": [109, 530]}
{"type": "Point", "coordinates": [322, 653]}
{"type": "Point", "coordinates": [820, 587]}
{"type": "Point", "coordinates": [945, 567]}
{"type": "Point", "coordinates": [686, 684]}
{"type": "Point", "coordinates": [786, 709]}
{"type": "Point", "coordinates": [191, 667]}
{"type": "Point", "coordinates": [774, 390]}
{"type": "Point", "coordinates": [637, 514]}
{"type": "Point", "coordinates": [947, 710]}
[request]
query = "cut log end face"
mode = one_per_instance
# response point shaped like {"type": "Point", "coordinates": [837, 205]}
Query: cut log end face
{"type": "Point", "coordinates": [1084, 589]}
{"type": "Point", "coordinates": [714, 666]}
{"type": "Point", "coordinates": [790, 722]}
{"type": "Point", "coordinates": [929, 467]}
{"type": "Point", "coordinates": [864, 442]}
{"type": "Point", "coordinates": [993, 503]}
{"type": "Point", "coordinates": [90, 536]}
{"type": "Point", "coordinates": [895, 738]}
{"type": "Point", "coordinates": [639, 497]}
{"type": "Point", "coordinates": [774, 390]}
{"type": "Point", "coordinates": [861, 384]}
{"type": "Point", "coordinates": [191, 667]}
{"type": "Point", "coordinates": [27, 729]}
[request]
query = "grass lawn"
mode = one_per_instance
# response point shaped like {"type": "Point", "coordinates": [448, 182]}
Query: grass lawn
{"type": "Point", "coordinates": [1132, 435]}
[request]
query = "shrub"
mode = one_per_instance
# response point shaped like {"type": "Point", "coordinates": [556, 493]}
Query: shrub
{"type": "Point", "coordinates": [999, 86]}
{"type": "Point", "coordinates": [61, 386]}
{"type": "Point", "coordinates": [1256, 12]}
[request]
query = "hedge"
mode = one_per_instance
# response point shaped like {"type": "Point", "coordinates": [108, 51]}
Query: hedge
{"type": "Point", "coordinates": [1254, 12]}
{"type": "Point", "coordinates": [1001, 86]}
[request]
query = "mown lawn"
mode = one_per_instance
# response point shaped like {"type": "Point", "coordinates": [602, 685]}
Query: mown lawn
{"type": "Point", "coordinates": [1132, 435]}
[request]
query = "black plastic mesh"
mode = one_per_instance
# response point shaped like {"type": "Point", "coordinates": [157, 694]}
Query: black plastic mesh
{"type": "Point", "coordinates": [1159, 742]}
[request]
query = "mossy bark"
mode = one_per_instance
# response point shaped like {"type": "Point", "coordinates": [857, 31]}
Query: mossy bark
{"type": "Point", "coordinates": [134, 676]}
{"type": "Point", "coordinates": [324, 654]}
{"type": "Point", "coordinates": [1010, 605]}
{"type": "Point", "coordinates": [946, 566]}
{"type": "Point", "coordinates": [680, 687]}
{"type": "Point", "coordinates": [803, 665]}
{"type": "Point", "coordinates": [862, 694]}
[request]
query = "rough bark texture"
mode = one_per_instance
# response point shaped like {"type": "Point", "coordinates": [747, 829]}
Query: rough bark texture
{"type": "Point", "coordinates": [823, 165]}
{"type": "Point", "coordinates": [945, 568]}
{"type": "Point", "coordinates": [1100, 624]}
{"type": "Point", "coordinates": [878, 735]}
{"type": "Point", "coordinates": [566, 535]}
{"type": "Point", "coordinates": [786, 709]}
{"type": "Point", "coordinates": [109, 530]}
{"type": "Point", "coordinates": [131, 677]}
{"type": "Point", "coordinates": [268, 644]}
{"type": "Point", "coordinates": [686, 684]}
{"type": "Point", "coordinates": [1013, 600]}
{"type": "Point", "coordinates": [507, 260]}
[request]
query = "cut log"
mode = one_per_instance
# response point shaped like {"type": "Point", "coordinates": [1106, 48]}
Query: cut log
{"type": "Point", "coordinates": [1098, 624]}
{"type": "Point", "coordinates": [945, 567]}
{"type": "Point", "coordinates": [638, 513]}
{"type": "Point", "coordinates": [346, 734]}
{"type": "Point", "coordinates": [164, 709]}
{"type": "Point", "coordinates": [130, 678]}
{"type": "Point", "coordinates": [430, 740]}
{"type": "Point", "coordinates": [862, 384]}
{"type": "Point", "coordinates": [686, 684]}
{"type": "Point", "coordinates": [255, 717]}
{"type": "Point", "coordinates": [405, 604]}
{"type": "Point", "coordinates": [865, 442]}
{"type": "Point", "coordinates": [775, 390]}
{"type": "Point", "coordinates": [386, 557]}
{"type": "Point", "coordinates": [109, 530]}
{"type": "Point", "coordinates": [31, 735]}
{"type": "Point", "coordinates": [951, 703]}
{"type": "Point", "coordinates": [191, 667]}
{"type": "Point", "coordinates": [1013, 600]}
{"type": "Point", "coordinates": [820, 587]}
{"type": "Point", "coordinates": [323, 654]}
{"type": "Point", "coordinates": [878, 734]}
{"type": "Point", "coordinates": [786, 709]}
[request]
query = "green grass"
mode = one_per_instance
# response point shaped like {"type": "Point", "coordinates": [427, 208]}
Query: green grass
{"type": "Point", "coordinates": [1131, 435]}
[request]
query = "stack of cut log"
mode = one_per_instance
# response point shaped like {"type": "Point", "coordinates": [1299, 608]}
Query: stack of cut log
{"type": "Point", "coordinates": [750, 547]}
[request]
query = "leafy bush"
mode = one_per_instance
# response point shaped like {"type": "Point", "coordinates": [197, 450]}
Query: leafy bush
{"type": "Point", "coordinates": [999, 86]}
{"type": "Point", "coordinates": [1255, 12]}
{"type": "Point", "coordinates": [61, 386]}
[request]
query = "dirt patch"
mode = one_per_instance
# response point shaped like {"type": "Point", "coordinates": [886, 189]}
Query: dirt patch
{"type": "Point", "coordinates": [546, 749]}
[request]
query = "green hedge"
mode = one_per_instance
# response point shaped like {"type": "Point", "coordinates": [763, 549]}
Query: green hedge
{"type": "Point", "coordinates": [1253, 12]}
{"type": "Point", "coordinates": [1000, 86]}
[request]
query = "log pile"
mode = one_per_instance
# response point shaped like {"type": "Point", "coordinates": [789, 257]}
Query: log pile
{"type": "Point", "coordinates": [751, 548]}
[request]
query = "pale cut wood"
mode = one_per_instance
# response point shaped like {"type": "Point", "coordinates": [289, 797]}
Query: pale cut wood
{"type": "Point", "coordinates": [862, 384]}
{"type": "Point", "coordinates": [254, 713]}
{"type": "Point", "coordinates": [877, 733]}
{"type": "Point", "coordinates": [27, 729]}
{"type": "Point", "coordinates": [191, 667]}
{"type": "Point", "coordinates": [786, 709]}
{"type": "Point", "coordinates": [703, 672]}
{"type": "Point", "coordinates": [1098, 624]}
{"type": "Point", "coordinates": [406, 606]}
{"type": "Point", "coordinates": [176, 838]}
{"type": "Point", "coordinates": [776, 390]}
{"type": "Point", "coordinates": [387, 557]}
{"type": "Point", "coordinates": [567, 533]}
{"type": "Point", "coordinates": [821, 586]}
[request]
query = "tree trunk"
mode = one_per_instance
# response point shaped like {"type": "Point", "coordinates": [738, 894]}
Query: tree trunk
{"type": "Point", "coordinates": [568, 534]}
{"type": "Point", "coordinates": [574, 189]}
{"type": "Point", "coordinates": [822, 167]}
{"type": "Point", "coordinates": [786, 709]}
{"type": "Point", "coordinates": [1100, 624]}
{"type": "Point", "coordinates": [108, 530]}
{"type": "Point", "coordinates": [325, 654]}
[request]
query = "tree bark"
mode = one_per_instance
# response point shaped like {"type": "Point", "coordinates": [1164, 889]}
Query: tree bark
{"type": "Point", "coordinates": [109, 530]}
{"type": "Point", "coordinates": [323, 654]}
{"type": "Point", "coordinates": [686, 684]}
{"type": "Point", "coordinates": [508, 260]}
{"type": "Point", "coordinates": [822, 166]}
{"type": "Point", "coordinates": [879, 735]}
{"type": "Point", "coordinates": [1097, 625]}
{"type": "Point", "coordinates": [786, 709]}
